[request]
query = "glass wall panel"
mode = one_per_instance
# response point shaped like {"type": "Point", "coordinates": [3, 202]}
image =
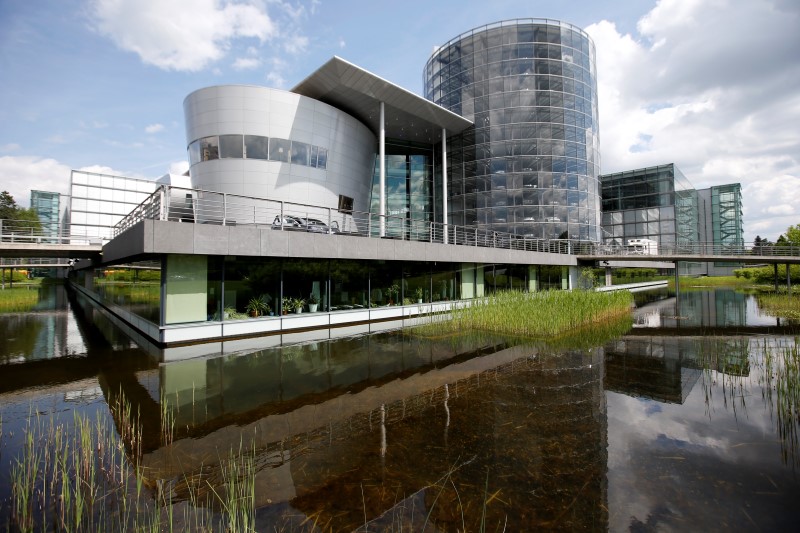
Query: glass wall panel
{"type": "Point", "coordinates": [279, 150]}
{"type": "Point", "coordinates": [248, 279]}
{"type": "Point", "coordinates": [135, 288]}
{"type": "Point", "coordinates": [306, 280]}
{"type": "Point", "coordinates": [349, 285]}
{"type": "Point", "coordinates": [231, 146]}
{"type": "Point", "coordinates": [256, 147]}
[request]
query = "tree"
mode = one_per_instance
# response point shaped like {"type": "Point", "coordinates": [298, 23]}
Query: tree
{"type": "Point", "coordinates": [17, 219]}
{"type": "Point", "coordinates": [793, 235]}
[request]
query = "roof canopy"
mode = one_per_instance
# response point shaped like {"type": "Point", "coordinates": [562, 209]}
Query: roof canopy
{"type": "Point", "coordinates": [359, 92]}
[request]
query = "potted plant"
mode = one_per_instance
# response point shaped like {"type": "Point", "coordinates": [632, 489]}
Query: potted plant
{"type": "Point", "coordinates": [286, 304]}
{"type": "Point", "coordinates": [393, 292]}
{"type": "Point", "coordinates": [257, 307]}
{"type": "Point", "coordinates": [313, 302]}
{"type": "Point", "coordinates": [298, 304]}
{"type": "Point", "coordinates": [418, 294]}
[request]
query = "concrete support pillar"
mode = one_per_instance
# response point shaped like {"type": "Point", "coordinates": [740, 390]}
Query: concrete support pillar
{"type": "Point", "coordinates": [677, 278]}
{"type": "Point", "coordinates": [444, 184]}
{"type": "Point", "coordinates": [382, 166]}
{"type": "Point", "coordinates": [570, 277]}
{"type": "Point", "coordinates": [533, 278]}
{"type": "Point", "coordinates": [608, 276]}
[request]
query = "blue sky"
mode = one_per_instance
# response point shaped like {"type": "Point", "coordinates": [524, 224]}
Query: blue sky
{"type": "Point", "coordinates": [99, 84]}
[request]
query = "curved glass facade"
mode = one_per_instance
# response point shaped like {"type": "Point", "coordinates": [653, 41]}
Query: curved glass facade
{"type": "Point", "coordinates": [530, 163]}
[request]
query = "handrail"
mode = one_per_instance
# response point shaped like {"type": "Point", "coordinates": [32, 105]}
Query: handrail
{"type": "Point", "coordinates": [27, 232]}
{"type": "Point", "coordinates": [211, 207]}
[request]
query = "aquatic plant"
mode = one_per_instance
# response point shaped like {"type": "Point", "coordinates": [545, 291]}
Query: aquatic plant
{"type": "Point", "coordinates": [540, 314]}
{"type": "Point", "coordinates": [86, 475]}
{"type": "Point", "coordinates": [781, 305]}
{"type": "Point", "coordinates": [18, 299]}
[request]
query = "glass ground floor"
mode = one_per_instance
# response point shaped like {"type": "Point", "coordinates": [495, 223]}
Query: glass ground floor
{"type": "Point", "coordinates": [190, 289]}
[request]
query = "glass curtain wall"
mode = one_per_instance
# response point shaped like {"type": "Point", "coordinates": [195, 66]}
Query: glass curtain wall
{"type": "Point", "coordinates": [200, 288]}
{"type": "Point", "coordinates": [409, 189]}
{"type": "Point", "coordinates": [530, 163]}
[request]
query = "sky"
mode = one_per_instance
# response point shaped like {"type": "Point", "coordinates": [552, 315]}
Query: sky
{"type": "Point", "coordinates": [710, 85]}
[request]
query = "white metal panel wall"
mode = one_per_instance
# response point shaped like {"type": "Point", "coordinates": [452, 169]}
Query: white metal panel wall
{"type": "Point", "coordinates": [251, 110]}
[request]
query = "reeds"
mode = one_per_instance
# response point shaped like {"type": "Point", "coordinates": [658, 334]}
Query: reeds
{"type": "Point", "coordinates": [18, 300]}
{"type": "Point", "coordinates": [541, 315]}
{"type": "Point", "coordinates": [86, 476]}
{"type": "Point", "coordinates": [780, 305]}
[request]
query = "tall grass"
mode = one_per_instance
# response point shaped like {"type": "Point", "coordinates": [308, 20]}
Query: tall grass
{"type": "Point", "coordinates": [541, 314]}
{"type": "Point", "coordinates": [18, 299]}
{"type": "Point", "coordinates": [87, 476]}
{"type": "Point", "coordinates": [782, 305]}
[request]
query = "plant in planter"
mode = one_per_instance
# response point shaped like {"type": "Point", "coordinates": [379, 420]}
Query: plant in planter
{"type": "Point", "coordinates": [393, 292]}
{"type": "Point", "coordinates": [297, 304]}
{"type": "Point", "coordinates": [418, 294]}
{"type": "Point", "coordinates": [313, 302]}
{"type": "Point", "coordinates": [286, 304]}
{"type": "Point", "coordinates": [257, 307]}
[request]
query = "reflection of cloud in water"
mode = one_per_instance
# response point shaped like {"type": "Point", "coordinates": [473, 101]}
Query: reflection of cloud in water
{"type": "Point", "coordinates": [651, 407]}
{"type": "Point", "coordinates": [704, 464]}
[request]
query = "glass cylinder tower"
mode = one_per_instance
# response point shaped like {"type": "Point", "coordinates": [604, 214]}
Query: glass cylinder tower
{"type": "Point", "coordinates": [530, 164]}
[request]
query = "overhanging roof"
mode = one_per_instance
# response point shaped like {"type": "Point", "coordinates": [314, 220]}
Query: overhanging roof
{"type": "Point", "coordinates": [359, 93]}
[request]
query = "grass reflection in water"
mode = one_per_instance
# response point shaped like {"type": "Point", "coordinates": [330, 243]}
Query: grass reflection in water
{"type": "Point", "coordinates": [775, 363]}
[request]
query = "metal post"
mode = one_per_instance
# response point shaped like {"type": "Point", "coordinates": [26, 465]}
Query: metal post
{"type": "Point", "coordinates": [775, 269]}
{"type": "Point", "coordinates": [788, 280]}
{"type": "Point", "coordinates": [444, 185]}
{"type": "Point", "coordinates": [224, 208]}
{"type": "Point", "coordinates": [608, 276]}
{"type": "Point", "coordinates": [382, 167]}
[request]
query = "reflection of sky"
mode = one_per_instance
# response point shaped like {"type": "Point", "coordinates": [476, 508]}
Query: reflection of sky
{"type": "Point", "coordinates": [698, 466]}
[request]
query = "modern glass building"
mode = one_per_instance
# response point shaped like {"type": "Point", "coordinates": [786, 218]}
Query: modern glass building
{"type": "Point", "coordinates": [47, 206]}
{"type": "Point", "coordinates": [656, 203]}
{"type": "Point", "coordinates": [660, 204]}
{"type": "Point", "coordinates": [530, 163]}
{"type": "Point", "coordinates": [98, 201]}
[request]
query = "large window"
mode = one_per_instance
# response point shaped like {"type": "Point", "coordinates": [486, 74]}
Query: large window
{"type": "Point", "coordinates": [257, 147]}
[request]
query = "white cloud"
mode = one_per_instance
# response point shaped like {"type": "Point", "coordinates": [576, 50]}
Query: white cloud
{"type": "Point", "coordinates": [689, 89]}
{"type": "Point", "coordinates": [342, 43]}
{"type": "Point", "coordinates": [246, 63]}
{"type": "Point", "coordinates": [184, 35]}
{"type": "Point", "coordinates": [295, 44]}
{"type": "Point", "coordinates": [20, 174]}
{"type": "Point", "coordinates": [154, 128]}
{"type": "Point", "coordinates": [178, 167]}
{"type": "Point", "coordinates": [10, 147]}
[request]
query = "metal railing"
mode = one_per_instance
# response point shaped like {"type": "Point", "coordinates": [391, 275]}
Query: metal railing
{"type": "Point", "coordinates": [27, 232]}
{"type": "Point", "coordinates": [208, 207]}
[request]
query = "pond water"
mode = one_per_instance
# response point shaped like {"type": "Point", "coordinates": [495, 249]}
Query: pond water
{"type": "Point", "coordinates": [688, 421]}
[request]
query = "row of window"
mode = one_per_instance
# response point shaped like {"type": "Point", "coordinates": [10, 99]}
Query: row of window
{"type": "Point", "coordinates": [257, 147]}
{"type": "Point", "coordinates": [522, 68]}
{"type": "Point", "coordinates": [483, 38]}
{"type": "Point", "coordinates": [551, 199]}
{"type": "Point", "coordinates": [455, 92]}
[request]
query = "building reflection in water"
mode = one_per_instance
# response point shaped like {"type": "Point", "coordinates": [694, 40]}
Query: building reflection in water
{"type": "Point", "coordinates": [393, 427]}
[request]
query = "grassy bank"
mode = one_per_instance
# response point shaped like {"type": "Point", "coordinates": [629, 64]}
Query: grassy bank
{"type": "Point", "coordinates": [540, 315]}
{"type": "Point", "coordinates": [715, 281]}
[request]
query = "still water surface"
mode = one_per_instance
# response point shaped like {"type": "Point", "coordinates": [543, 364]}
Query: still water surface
{"type": "Point", "coordinates": [673, 426]}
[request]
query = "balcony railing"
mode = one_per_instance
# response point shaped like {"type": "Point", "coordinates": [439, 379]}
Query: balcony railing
{"type": "Point", "coordinates": [209, 207]}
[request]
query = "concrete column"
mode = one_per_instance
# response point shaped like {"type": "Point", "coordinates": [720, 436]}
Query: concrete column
{"type": "Point", "coordinates": [608, 277]}
{"type": "Point", "coordinates": [382, 156]}
{"type": "Point", "coordinates": [444, 184]}
{"type": "Point", "coordinates": [533, 278]}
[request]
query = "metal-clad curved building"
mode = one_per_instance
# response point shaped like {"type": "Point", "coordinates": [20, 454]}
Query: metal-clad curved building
{"type": "Point", "coordinates": [269, 143]}
{"type": "Point", "coordinates": [531, 162]}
